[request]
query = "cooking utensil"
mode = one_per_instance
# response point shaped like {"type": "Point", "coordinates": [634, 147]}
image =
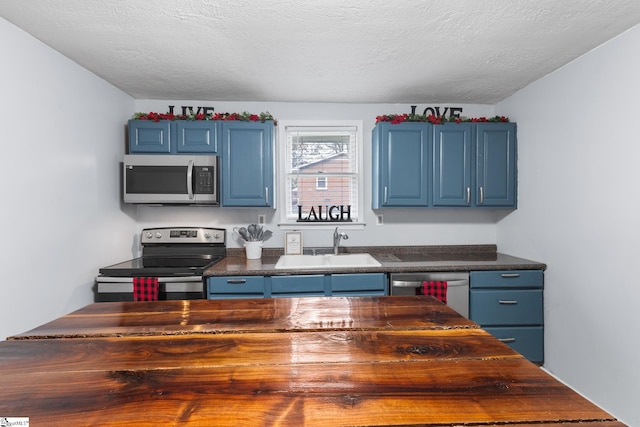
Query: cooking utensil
{"type": "Point", "coordinates": [252, 233]}
{"type": "Point", "coordinates": [251, 229]}
{"type": "Point", "coordinates": [242, 231]}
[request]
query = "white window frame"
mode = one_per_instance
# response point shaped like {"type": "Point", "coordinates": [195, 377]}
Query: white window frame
{"type": "Point", "coordinates": [324, 180]}
{"type": "Point", "coordinates": [282, 173]}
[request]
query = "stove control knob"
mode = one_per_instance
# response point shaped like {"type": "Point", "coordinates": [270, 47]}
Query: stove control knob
{"type": "Point", "coordinates": [149, 234]}
{"type": "Point", "coordinates": [158, 235]}
{"type": "Point", "coordinates": [207, 235]}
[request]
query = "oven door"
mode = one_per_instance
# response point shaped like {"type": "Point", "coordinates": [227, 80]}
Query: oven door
{"type": "Point", "coordinates": [110, 289]}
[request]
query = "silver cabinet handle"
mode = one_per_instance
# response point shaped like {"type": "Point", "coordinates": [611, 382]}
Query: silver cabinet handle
{"type": "Point", "coordinates": [236, 281]}
{"type": "Point", "coordinates": [509, 275]}
{"type": "Point", "coordinates": [266, 191]}
{"type": "Point", "coordinates": [190, 179]}
{"type": "Point", "coordinates": [481, 195]}
{"type": "Point", "coordinates": [507, 339]}
{"type": "Point", "coordinates": [385, 195]}
{"type": "Point", "coordinates": [507, 301]}
{"type": "Point", "coordinates": [468, 195]}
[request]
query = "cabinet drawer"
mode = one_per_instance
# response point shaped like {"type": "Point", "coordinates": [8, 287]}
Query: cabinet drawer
{"type": "Point", "coordinates": [506, 279]}
{"type": "Point", "coordinates": [359, 282]}
{"type": "Point", "coordinates": [526, 340]}
{"type": "Point", "coordinates": [291, 285]}
{"type": "Point", "coordinates": [236, 285]}
{"type": "Point", "coordinates": [506, 307]}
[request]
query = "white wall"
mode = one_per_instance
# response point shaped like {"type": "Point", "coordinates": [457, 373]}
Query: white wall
{"type": "Point", "coordinates": [62, 135]}
{"type": "Point", "coordinates": [579, 205]}
{"type": "Point", "coordinates": [401, 226]}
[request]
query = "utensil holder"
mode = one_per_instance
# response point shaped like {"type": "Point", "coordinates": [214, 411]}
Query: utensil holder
{"type": "Point", "coordinates": [253, 249]}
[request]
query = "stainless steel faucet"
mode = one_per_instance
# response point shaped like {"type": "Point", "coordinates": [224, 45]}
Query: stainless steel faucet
{"type": "Point", "coordinates": [336, 240]}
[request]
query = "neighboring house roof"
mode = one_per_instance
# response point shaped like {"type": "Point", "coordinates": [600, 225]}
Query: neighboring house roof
{"type": "Point", "coordinates": [317, 162]}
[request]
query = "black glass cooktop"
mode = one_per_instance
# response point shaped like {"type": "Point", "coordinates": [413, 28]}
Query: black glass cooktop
{"type": "Point", "coordinates": [160, 266]}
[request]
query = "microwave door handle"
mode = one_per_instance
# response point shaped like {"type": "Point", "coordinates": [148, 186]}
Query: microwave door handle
{"type": "Point", "coordinates": [190, 179]}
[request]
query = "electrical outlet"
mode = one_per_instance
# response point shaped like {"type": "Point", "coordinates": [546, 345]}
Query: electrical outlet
{"type": "Point", "coordinates": [261, 219]}
{"type": "Point", "coordinates": [379, 219]}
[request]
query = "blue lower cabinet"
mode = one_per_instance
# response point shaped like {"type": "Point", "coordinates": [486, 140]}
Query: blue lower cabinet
{"type": "Point", "coordinates": [506, 307]}
{"type": "Point", "coordinates": [369, 284]}
{"type": "Point", "coordinates": [509, 305]}
{"type": "Point", "coordinates": [300, 285]}
{"type": "Point", "coordinates": [231, 287]}
{"type": "Point", "coordinates": [526, 340]}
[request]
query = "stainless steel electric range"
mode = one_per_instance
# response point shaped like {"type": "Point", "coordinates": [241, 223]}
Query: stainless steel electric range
{"type": "Point", "coordinates": [175, 257]}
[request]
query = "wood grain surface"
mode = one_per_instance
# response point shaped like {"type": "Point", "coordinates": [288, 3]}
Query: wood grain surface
{"type": "Point", "coordinates": [390, 361]}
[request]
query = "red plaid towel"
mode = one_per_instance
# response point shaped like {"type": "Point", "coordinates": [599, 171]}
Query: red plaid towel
{"type": "Point", "coordinates": [145, 289]}
{"type": "Point", "coordinates": [435, 288]}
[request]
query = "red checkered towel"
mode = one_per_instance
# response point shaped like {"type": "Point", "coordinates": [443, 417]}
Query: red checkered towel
{"type": "Point", "coordinates": [435, 288]}
{"type": "Point", "coordinates": [145, 289]}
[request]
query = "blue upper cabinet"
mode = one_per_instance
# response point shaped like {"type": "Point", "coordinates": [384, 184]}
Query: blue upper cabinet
{"type": "Point", "coordinates": [475, 165]}
{"type": "Point", "coordinates": [146, 136]}
{"type": "Point", "coordinates": [452, 164]}
{"type": "Point", "coordinates": [198, 136]}
{"type": "Point", "coordinates": [401, 166]}
{"type": "Point", "coordinates": [247, 163]}
{"type": "Point", "coordinates": [173, 137]}
{"type": "Point", "coordinates": [445, 165]}
{"type": "Point", "coordinates": [496, 173]}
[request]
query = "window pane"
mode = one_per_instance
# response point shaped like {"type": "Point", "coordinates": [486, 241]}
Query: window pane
{"type": "Point", "coordinates": [321, 183]}
{"type": "Point", "coordinates": [317, 151]}
{"type": "Point", "coordinates": [341, 190]}
{"type": "Point", "coordinates": [321, 170]}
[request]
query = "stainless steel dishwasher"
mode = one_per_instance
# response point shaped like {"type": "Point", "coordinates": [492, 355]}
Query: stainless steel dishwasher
{"type": "Point", "coordinates": [457, 287]}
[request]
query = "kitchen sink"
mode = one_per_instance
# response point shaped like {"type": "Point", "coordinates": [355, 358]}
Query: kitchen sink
{"type": "Point", "coordinates": [329, 261]}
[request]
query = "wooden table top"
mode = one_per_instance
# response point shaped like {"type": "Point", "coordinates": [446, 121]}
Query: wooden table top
{"type": "Point", "coordinates": [377, 361]}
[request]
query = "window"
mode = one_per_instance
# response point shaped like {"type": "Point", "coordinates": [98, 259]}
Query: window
{"type": "Point", "coordinates": [321, 183]}
{"type": "Point", "coordinates": [320, 166]}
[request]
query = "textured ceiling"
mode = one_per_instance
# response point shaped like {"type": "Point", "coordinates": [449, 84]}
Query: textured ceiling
{"type": "Point", "coordinates": [361, 51]}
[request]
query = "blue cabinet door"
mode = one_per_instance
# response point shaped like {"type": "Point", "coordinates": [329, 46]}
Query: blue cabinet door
{"type": "Point", "coordinates": [452, 155]}
{"type": "Point", "coordinates": [363, 284]}
{"type": "Point", "coordinates": [496, 180]}
{"type": "Point", "coordinates": [173, 137]}
{"type": "Point", "coordinates": [233, 287]}
{"type": "Point", "coordinates": [526, 340]}
{"type": "Point", "coordinates": [247, 164]}
{"type": "Point", "coordinates": [146, 136]}
{"type": "Point", "coordinates": [299, 286]}
{"type": "Point", "coordinates": [197, 136]}
{"type": "Point", "coordinates": [401, 166]}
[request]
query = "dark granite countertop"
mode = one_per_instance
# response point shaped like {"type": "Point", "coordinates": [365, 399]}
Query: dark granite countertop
{"type": "Point", "coordinates": [394, 259]}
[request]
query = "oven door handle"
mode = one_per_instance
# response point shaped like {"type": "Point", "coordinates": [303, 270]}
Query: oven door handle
{"type": "Point", "coordinates": [104, 279]}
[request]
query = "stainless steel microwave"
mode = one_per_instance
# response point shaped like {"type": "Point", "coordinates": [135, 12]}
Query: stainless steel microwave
{"type": "Point", "coordinates": [171, 179]}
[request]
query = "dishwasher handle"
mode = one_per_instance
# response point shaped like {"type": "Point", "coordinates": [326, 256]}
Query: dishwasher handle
{"type": "Point", "coordinates": [418, 284]}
